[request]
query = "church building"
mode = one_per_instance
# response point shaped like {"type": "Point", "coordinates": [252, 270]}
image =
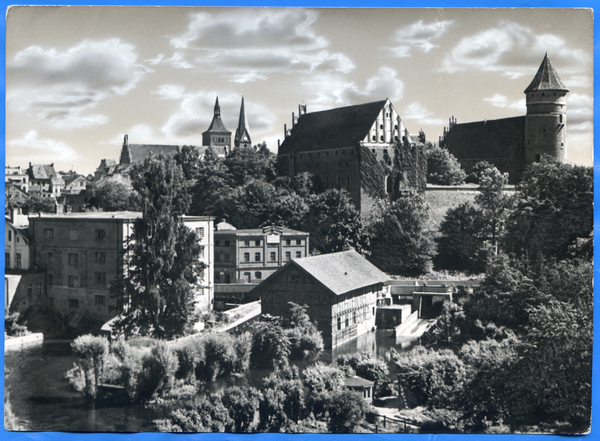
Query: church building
{"type": "Point", "coordinates": [511, 144]}
{"type": "Point", "coordinates": [364, 149]}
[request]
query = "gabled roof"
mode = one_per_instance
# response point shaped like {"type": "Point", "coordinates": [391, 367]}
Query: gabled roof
{"type": "Point", "coordinates": [140, 152]}
{"type": "Point", "coordinates": [341, 272]}
{"type": "Point", "coordinates": [42, 171]}
{"type": "Point", "coordinates": [546, 78]}
{"type": "Point", "coordinates": [358, 382]}
{"type": "Point", "coordinates": [329, 129]}
{"type": "Point", "coordinates": [217, 125]}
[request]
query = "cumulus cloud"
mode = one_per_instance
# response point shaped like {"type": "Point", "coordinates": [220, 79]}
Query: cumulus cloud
{"type": "Point", "coordinates": [514, 50]}
{"type": "Point", "coordinates": [417, 112]}
{"type": "Point", "coordinates": [419, 36]}
{"type": "Point", "coordinates": [384, 84]}
{"type": "Point", "coordinates": [47, 150]}
{"type": "Point", "coordinates": [247, 44]}
{"type": "Point", "coordinates": [59, 87]}
{"type": "Point", "coordinates": [580, 112]}
{"type": "Point", "coordinates": [499, 100]}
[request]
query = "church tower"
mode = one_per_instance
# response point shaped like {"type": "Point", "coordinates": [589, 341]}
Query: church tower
{"type": "Point", "coordinates": [546, 119]}
{"type": "Point", "coordinates": [217, 136]}
{"type": "Point", "coordinates": [242, 135]}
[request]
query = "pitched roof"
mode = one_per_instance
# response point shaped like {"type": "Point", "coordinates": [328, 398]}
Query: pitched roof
{"type": "Point", "coordinates": [140, 152]}
{"type": "Point", "coordinates": [242, 134]}
{"type": "Point", "coordinates": [335, 128]}
{"type": "Point", "coordinates": [42, 171]}
{"type": "Point", "coordinates": [216, 124]}
{"type": "Point", "coordinates": [356, 381]}
{"type": "Point", "coordinates": [341, 272]}
{"type": "Point", "coordinates": [546, 78]}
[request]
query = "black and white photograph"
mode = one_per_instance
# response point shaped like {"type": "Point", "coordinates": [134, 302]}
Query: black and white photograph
{"type": "Point", "coordinates": [298, 220]}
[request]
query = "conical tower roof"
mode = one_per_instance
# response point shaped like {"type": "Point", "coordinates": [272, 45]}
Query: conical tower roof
{"type": "Point", "coordinates": [546, 78]}
{"type": "Point", "coordinates": [217, 125]}
{"type": "Point", "coordinates": [242, 134]}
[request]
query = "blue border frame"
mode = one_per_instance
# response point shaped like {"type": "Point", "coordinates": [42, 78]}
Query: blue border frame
{"type": "Point", "coordinates": [594, 433]}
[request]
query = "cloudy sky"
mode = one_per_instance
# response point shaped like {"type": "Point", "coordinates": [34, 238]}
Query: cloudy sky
{"type": "Point", "coordinates": [79, 78]}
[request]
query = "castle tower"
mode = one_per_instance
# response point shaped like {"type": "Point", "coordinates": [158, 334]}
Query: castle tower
{"type": "Point", "coordinates": [217, 136]}
{"type": "Point", "coordinates": [546, 119]}
{"type": "Point", "coordinates": [242, 135]}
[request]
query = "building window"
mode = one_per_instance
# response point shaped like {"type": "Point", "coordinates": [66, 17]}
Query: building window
{"type": "Point", "coordinates": [226, 243]}
{"type": "Point", "coordinates": [258, 275]}
{"type": "Point", "coordinates": [100, 300]}
{"type": "Point", "coordinates": [381, 138]}
{"type": "Point", "coordinates": [273, 256]}
{"type": "Point", "coordinates": [247, 243]}
{"type": "Point", "coordinates": [73, 281]}
{"type": "Point", "coordinates": [50, 279]}
{"type": "Point", "coordinates": [100, 235]}
{"type": "Point", "coordinates": [30, 289]}
{"type": "Point", "coordinates": [73, 303]}
{"type": "Point", "coordinates": [354, 317]}
{"type": "Point", "coordinates": [288, 242]}
{"type": "Point", "coordinates": [100, 257]}
{"type": "Point", "coordinates": [200, 232]}
{"type": "Point", "coordinates": [288, 255]}
{"type": "Point", "coordinates": [257, 243]}
{"type": "Point", "coordinates": [39, 288]}
{"type": "Point", "coordinates": [347, 322]}
{"type": "Point", "coordinates": [73, 259]}
{"type": "Point", "coordinates": [217, 243]}
{"type": "Point", "coordinates": [50, 259]}
{"type": "Point", "coordinates": [49, 233]}
{"type": "Point", "coordinates": [227, 278]}
{"type": "Point", "coordinates": [339, 323]}
{"type": "Point", "coordinates": [100, 278]}
{"type": "Point", "coordinates": [73, 234]}
{"type": "Point", "coordinates": [374, 138]}
{"type": "Point", "coordinates": [298, 254]}
{"type": "Point", "coordinates": [9, 235]}
{"type": "Point", "coordinates": [373, 310]}
{"type": "Point", "coordinates": [18, 260]}
{"type": "Point", "coordinates": [257, 257]}
{"type": "Point", "coordinates": [246, 257]}
{"type": "Point", "coordinates": [6, 260]}
{"type": "Point", "coordinates": [298, 241]}
{"type": "Point", "coordinates": [381, 126]}
{"type": "Point", "coordinates": [217, 277]}
{"type": "Point", "coordinates": [247, 277]}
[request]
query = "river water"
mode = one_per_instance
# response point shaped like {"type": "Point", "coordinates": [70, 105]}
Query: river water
{"type": "Point", "coordinates": [42, 400]}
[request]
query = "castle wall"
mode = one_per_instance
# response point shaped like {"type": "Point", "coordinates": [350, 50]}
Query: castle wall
{"type": "Point", "coordinates": [500, 142]}
{"type": "Point", "coordinates": [442, 198]}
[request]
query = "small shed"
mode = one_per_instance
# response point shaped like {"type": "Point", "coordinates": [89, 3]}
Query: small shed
{"type": "Point", "coordinates": [360, 385]}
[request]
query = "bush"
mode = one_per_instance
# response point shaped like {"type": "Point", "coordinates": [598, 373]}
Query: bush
{"type": "Point", "coordinates": [306, 341]}
{"type": "Point", "coordinates": [158, 372]}
{"type": "Point", "coordinates": [91, 353]}
{"type": "Point", "coordinates": [270, 345]}
{"type": "Point", "coordinates": [346, 410]}
{"type": "Point", "coordinates": [205, 415]}
{"type": "Point", "coordinates": [243, 404]}
{"type": "Point", "coordinates": [11, 326]}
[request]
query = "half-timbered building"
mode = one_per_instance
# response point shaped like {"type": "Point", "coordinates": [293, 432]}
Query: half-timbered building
{"type": "Point", "coordinates": [340, 290]}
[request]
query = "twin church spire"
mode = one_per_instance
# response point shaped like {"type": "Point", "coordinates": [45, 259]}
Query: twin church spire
{"type": "Point", "coordinates": [219, 138]}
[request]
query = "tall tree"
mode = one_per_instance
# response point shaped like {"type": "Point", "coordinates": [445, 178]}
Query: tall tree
{"type": "Point", "coordinates": [400, 243]}
{"type": "Point", "coordinates": [211, 182]}
{"type": "Point", "coordinates": [333, 223]}
{"type": "Point", "coordinates": [112, 196]}
{"type": "Point", "coordinates": [443, 168]}
{"type": "Point", "coordinates": [157, 291]}
{"type": "Point", "coordinates": [493, 202]}
{"type": "Point", "coordinates": [461, 238]}
{"type": "Point", "coordinates": [554, 209]}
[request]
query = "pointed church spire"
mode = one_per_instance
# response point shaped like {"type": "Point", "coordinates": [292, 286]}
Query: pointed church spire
{"type": "Point", "coordinates": [546, 78]}
{"type": "Point", "coordinates": [242, 134]}
{"type": "Point", "coordinates": [217, 108]}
